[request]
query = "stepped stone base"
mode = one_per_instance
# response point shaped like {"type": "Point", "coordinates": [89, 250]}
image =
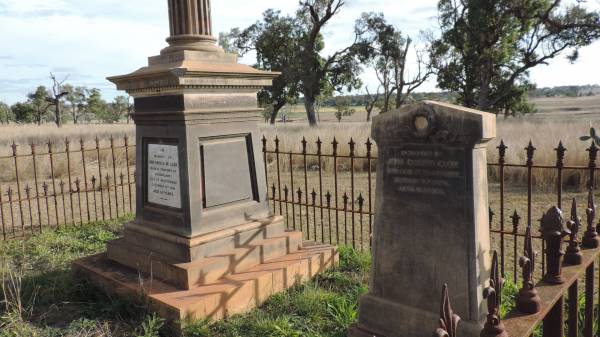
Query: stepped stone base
{"type": "Point", "coordinates": [227, 281]}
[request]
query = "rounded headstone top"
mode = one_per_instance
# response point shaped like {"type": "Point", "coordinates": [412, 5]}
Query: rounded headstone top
{"type": "Point", "coordinates": [435, 123]}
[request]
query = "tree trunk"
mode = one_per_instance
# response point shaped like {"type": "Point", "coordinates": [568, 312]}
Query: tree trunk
{"type": "Point", "coordinates": [57, 114]}
{"type": "Point", "coordinates": [369, 114]}
{"type": "Point", "coordinates": [276, 108]}
{"type": "Point", "coordinates": [74, 114]}
{"type": "Point", "coordinates": [309, 105]}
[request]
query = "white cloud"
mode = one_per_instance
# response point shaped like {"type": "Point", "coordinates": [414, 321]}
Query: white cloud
{"type": "Point", "coordinates": [92, 39]}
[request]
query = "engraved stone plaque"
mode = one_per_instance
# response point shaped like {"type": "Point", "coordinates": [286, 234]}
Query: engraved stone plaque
{"type": "Point", "coordinates": [164, 186]}
{"type": "Point", "coordinates": [424, 171]}
{"type": "Point", "coordinates": [227, 173]}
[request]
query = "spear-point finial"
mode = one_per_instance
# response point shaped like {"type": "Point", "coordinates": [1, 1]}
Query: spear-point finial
{"type": "Point", "coordinates": [530, 153]}
{"type": "Point", "coordinates": [502, 151]}
{"type": "Point", "coordinates": [590, 238]}
{"type": "Point", "coordinates": [516, 218]}
{"type": "Point", "coordinates": [574, 255]}
{"type": "Point", "coordinates": [560, 155]}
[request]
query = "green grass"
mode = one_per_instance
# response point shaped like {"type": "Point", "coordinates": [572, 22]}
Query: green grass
{"type": "Point", "coordinates": [40, 296]}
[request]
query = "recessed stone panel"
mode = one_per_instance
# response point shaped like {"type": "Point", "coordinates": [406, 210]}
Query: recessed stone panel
{"type": "Point", "coordinates": [227, 172]}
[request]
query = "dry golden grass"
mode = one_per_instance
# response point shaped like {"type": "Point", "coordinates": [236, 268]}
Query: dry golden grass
{"type": "Point", "coordinates": [28, 133]}
{"type": "Point", "coordinates": [516, 133]}
{"type": "Point", "coordinates": [544, 133]}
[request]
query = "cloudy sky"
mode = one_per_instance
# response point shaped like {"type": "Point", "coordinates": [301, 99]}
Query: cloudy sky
{"type": "Point", "coordinates": [88, 40]}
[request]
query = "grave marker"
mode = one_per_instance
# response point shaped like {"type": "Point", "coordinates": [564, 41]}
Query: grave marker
{"type": "Point", "coordinates": [431, 220]}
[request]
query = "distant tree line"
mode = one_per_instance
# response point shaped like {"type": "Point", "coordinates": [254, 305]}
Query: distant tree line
{"type": "Point", "coordinates": [447, 96]}
{"type": "Point", "coordinates": [63, 102]}
{"type": "Point", "coordinates": [482, 54]}
{"type": "Point", "coordinates": [566, 91]}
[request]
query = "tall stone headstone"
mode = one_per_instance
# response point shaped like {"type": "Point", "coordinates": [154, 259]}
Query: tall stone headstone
{"type": "Point", "coordinates": [431, 220]}
{"type": "Point", "coordinates": [203, 233]}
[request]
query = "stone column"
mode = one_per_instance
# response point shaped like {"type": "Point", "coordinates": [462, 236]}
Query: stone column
{"type": "Point", "coordinates": [191, 26]}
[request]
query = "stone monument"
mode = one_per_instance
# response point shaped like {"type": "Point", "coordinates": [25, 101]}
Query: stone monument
{"type": "Point", "coordinates": [203, 240]}
{"type": "Point", "coordinates": [431, 220]}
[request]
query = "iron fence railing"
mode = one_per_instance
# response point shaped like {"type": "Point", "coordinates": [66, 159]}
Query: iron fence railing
{"type": "Point", "coordinates": [65, 184]}
{"type": "Point", "coordinates": [326, 190]}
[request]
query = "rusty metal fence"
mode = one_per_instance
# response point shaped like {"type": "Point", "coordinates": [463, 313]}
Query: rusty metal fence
{"type": "Point", "coordinates": [58, 184]}
{"type": "Point", "coordinates": [326, 190]}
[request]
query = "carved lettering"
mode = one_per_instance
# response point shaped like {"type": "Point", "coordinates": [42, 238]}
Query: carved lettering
{"type": "Point", "coordinates": [424, 172]}
{"type": "Point", "coordinates": [163, 175]}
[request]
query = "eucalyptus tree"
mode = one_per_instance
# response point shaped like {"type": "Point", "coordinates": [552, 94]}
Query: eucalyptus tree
{"type": "Point", "coordinates": [486, 48]}
{"type": "Point", "coordinates": [274, 39]}
{"type": "Point", "coordinates": [386, 50]}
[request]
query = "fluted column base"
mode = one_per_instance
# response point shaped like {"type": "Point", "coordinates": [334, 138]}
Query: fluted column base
{"type": "Point", "coordinates": [204, 43]}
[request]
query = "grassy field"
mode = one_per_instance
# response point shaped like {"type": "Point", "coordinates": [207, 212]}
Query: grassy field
{"type": "Point", "coordinates": [40, 296]}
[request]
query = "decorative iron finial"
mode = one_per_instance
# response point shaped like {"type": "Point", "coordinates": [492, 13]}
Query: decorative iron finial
{"type": "Point", "coordinates": [14, 147]}
{"type": "Point", "coordinates": [573, 255]}
{"type": "Point", "coordinates": [369, 145]}
{"type": "Point", "coordinates": [516, 218]}
{"type": "Point", "coordinates": [493, 294]}
{"type": "Point", "coordinates": [530, 152]}
{"type": "Point", "coordinates": [304, 142]}
{"type": "Point", "coordinates": [560, 155]}
{"type": "Point", "coordinates": [502, 152]}
{"type": "Point", "coordinates": [590, 237]}
{"type": "Point", "coordinates": [448, 323]}
{"type": "Point", "coordinates": [528, 300]}
{"type": "Point", "coordinates": [319, 143]}
{"type": "Point", "coordinates": [335, 145]}
{"type": "Point", "coordinates": [593, 152]}
{"type": "Point", "coordinates": [553, 232]}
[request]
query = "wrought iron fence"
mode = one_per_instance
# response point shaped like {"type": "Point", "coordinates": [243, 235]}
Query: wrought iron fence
{"type": "Point", "coordinates": [326, 190]}
{"type": "Point", "coordinates": [65, 184]}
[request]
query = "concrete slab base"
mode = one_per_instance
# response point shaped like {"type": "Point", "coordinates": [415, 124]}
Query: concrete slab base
{"type": "Point", "coordinates": [235, 293]}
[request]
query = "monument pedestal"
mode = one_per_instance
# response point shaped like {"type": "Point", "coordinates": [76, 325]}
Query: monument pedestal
{"type": "Point", "coordinates": [203, 243]}
{"type": "Point", "coordinates": [243, 267]}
